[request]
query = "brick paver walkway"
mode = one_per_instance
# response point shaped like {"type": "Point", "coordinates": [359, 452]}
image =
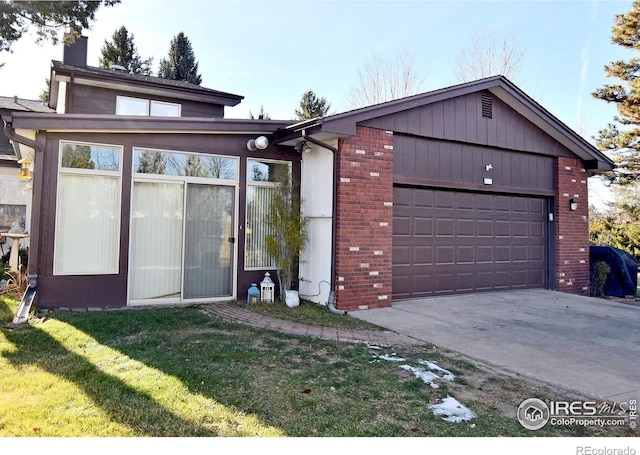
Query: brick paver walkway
{"type": "Point", "coordinates": [375, 337]}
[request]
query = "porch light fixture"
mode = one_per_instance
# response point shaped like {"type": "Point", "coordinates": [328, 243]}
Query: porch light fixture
{"type": "Point", "coordinates": [302, 147]}
{"type": "Point", "coordinates": [573, 205]}
{"type": "Point", "coordinates": [259, 143]}
{"type": "Point", "coordinates": [25, 169]}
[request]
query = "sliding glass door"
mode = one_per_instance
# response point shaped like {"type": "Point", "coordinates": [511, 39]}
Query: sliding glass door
{"type": "Point", "coordinates": [155, 261]}
{"type": "Point", "coordinates": [209, 241]}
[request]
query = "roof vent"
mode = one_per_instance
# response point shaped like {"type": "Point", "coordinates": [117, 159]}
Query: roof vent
{"type": "Point", "coordinates": [118, 68]}
{"type": "Point", "coordinates": [487, 106]}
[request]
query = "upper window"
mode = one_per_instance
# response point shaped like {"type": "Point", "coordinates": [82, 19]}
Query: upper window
{"type": "Point", "coordinates": [90, 156]}
{"type": "Point", "coordinates": [126, 105]}
{"type": "Point", "coordinates": [185, 164]}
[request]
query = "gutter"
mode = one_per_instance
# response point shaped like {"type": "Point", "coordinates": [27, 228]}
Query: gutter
{"type": "Point", "coordinates": [16, 139]}
{"type": "Point", "coordinates": [334, 218]}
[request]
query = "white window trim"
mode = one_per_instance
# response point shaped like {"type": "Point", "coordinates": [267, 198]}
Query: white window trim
{"type": "Point", "coordinates": [91, 172]}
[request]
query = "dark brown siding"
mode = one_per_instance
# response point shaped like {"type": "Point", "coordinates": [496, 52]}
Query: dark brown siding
{"type": "Point", "coordinates": [460, 119]}
{"type": "Point", "coordinates": [80, 291]}
{"type": "Point", "coordinates": [451, 164]}
{"type": "Point", "coordinates": [102, 101]}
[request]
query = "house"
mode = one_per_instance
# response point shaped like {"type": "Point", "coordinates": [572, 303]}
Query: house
{"type": "Point", "coordinates": [15, 194]}
{"type": "Point", "coordinates": [470, 188]}
{"type": "Point", "coordinates": [144, 194]}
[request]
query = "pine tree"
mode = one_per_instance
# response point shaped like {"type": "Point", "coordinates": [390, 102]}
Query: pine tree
{"type": "Point", "coordinates": [180, 65]}
{"type": "Point", "coordinates": [622, 138]}
{"type": "Point", "coordinates": [121, 50]}
{"type": "Point", "coordinates": [312, 107]}
{"type": "Point", "coordinates": [262, 115]}
{"type": "Point", "coordinates": [49, 19]}
{"type": "Point", "coordinates": [152, 163]}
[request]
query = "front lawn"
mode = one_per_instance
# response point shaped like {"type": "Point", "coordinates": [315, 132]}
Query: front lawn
{"type": "Point", "coordinates": [183, 372]}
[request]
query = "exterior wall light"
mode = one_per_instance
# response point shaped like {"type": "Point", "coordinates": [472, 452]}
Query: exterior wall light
{"type": "Point", "coordinates": [573, 205]}
{"type": "Point", "coordinates": [302, 147]}
{"type": "Point", "coordinates": [259, 143]}
{"type": "Point", "coordinates": [25, 169]}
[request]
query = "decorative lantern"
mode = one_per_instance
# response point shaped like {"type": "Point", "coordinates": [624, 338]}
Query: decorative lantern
{"type": "Point", "coordinates": [253, 296]}
{"type": "Point", "coordinates": [266, 288]}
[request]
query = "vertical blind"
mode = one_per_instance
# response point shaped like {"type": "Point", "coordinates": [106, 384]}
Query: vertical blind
{"type": "Point", "coordinates": [88, 224]}
{"type": "Point", "coordinates": [257, 229]}
{"type": "Point", "coordinates": [156, 240]}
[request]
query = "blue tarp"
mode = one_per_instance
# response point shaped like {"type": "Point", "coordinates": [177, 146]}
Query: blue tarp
{"type": "Point", "coordinates": [623, 279]}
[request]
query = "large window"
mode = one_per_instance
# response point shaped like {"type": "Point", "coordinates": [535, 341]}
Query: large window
{"type": "Point", "coordinates": [88, 209]}
{"type": "Point", "coordinates": [260, 188]}
{"type": "Point", "coordinates": [183, 227]}
{"type": "Point", "coordinates": [126, 105]}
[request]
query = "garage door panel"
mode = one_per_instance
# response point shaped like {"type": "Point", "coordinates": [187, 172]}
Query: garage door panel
{"type": "Point", "coordinates": [422, 226]}
{"type": "Point", "coordinates": [445, 227]}
{"type": "Point", "coordinates": [423, 255]}
{"type": "Point", "coordinates": [402, 255]}
{"type": "Point", "coordinates": [402, 226]}
{"type": "Point", "coordinates": [448, 242]}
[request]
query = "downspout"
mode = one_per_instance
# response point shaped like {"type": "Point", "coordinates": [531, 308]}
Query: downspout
{"type": "Point", "coordinates": [334, 223]}
{"type": "Point", "coordinates": [10, 132]}
{"type": "Point", "coordinates": [16, 138]}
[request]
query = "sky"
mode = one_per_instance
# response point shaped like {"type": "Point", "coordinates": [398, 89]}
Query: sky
{"type": "Point", "coordinates": [271, 52]}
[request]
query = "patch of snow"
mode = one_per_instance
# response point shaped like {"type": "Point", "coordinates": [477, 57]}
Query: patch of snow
{"type": "Point", "coordinates": [392, 358]}
{"type": "Point", "coordinates": [426, 376]}
{"type": "Point", "coordinates": [447, 376]}
{"type": "Point", "coordinates": [377, 348]}
{"type": "Point", "coordinates": [452, 410]}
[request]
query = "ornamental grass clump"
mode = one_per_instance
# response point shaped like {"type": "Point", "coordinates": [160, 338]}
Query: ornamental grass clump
{"type": "Point", "coordinates": [288, 229]}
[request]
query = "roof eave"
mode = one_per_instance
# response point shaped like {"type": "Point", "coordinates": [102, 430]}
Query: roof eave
{"type": "Point", "coordinates": [136, 124]}
{"type": "Point", "coordinates": [122, 81]}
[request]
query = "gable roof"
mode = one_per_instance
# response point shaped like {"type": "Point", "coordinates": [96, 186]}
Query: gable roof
{"type": "Point", "coordinates": [135, 83]}
{"type": "Point", "coordinates": [344, 124]}
{"type": "Point", "coordinates": [13, 103]}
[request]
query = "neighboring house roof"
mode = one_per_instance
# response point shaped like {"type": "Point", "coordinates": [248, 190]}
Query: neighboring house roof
{"type": "Point", "coordinates": [344, 124]}
{"type": "Point", "coordinates": [135, 83]}
{"type": "Point", "coordinates": [14, 103]}
{"type": "Point", "coordinates": [10, 104]}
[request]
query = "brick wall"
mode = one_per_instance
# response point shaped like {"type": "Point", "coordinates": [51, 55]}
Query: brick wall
{"type": "Point", "coordinates": [364, 220]}
{"type": "Point", "coordinates": [572, 227]}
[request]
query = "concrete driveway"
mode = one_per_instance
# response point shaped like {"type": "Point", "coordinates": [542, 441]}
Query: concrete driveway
{"type": "Point", "coordinates": [586, 345]}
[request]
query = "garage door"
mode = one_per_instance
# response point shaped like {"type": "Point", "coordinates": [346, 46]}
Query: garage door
{"type": "Point", "coordinates": [449, 242]}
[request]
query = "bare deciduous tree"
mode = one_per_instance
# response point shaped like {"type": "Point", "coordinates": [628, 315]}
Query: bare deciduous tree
{"type": "Point", "coordinates": [489, 55]}
{"type": "Point", "coordinates": [382, 80]}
